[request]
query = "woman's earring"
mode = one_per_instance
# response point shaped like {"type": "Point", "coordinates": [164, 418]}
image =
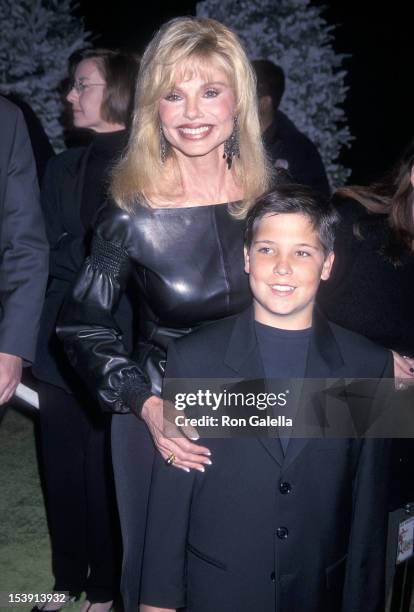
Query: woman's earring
{"type": "Point", "coordinates": [163, 146]}
{"type": "Point", "coordinates": [232, 145]}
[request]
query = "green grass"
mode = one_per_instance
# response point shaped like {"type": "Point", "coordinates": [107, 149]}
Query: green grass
{"type": "Point", "coordinates": [24, 539]}
{"type": "Point", "coordinates": [25, 563]}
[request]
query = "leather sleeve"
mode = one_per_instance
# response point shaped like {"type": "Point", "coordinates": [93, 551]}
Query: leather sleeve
{"type": "Point", "coordinates": [91, 337]}
{"type": "Point", "coordinates": [365, 569]}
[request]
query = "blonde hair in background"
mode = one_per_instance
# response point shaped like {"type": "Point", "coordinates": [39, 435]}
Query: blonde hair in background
{"type": "Point", "coordinates": [182, 47]}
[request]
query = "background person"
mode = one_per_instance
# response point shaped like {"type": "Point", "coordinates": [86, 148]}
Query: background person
{"type": "Point", "coordinates": [287, 146]}
{"type": "Point", "coordinates": [174, 237]}
{"type": "Point", "coordinates": [23, 250]}
{"type": "Point", "coordinates": [371, 289]}
{"type": "Point", "coordinates": [370, 286]}
{"type": "Point", "coordinates": [74, 433]}
{"type": "Point", "coordinates": [42, 149]}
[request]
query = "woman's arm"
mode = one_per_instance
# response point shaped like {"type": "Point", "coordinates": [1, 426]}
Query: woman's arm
{"type": "Point", "coordinates": [93, 341]}
{"type": "Point", "coordinates": [403, 366]}
{"type": "Point", "coordinates": [87, 327]}
{"type": "Point", "coordinates": [144, 608]}
{"type": "Point", "coordinates": [172, 440]}
{"type": "Point", "coordinates": [403, 371]}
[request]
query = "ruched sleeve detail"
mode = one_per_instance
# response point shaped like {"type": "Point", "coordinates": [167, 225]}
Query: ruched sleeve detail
{"type": "Point", "coordinates": [107, 257]}
{"type": "Point", "coordinates": [87, 327]}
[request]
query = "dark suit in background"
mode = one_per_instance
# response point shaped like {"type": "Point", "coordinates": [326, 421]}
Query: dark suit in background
{"type": "Point", "coordinates": [42, 149]}
{"type": "Point", "coordinates": [284, 142]}
{"type": "Point", "coordinates": [23, 245]}
{"type": "Point", "coordinates": [260, 530]}
{"type": "Point", "coordinates": [286, 146]}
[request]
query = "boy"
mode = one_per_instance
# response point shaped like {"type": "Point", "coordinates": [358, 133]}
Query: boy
{"type": "Point", "coordinates": [275, 524]}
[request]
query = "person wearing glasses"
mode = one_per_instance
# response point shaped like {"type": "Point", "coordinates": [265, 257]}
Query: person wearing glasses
{"type": "Point", "coordinates": [74, 432]}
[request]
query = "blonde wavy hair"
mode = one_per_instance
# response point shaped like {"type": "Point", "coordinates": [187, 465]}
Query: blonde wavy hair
{"type": "Point", "coordinates": [184, 46]}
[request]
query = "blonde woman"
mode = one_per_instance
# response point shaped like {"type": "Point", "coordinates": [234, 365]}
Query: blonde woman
{"type": "Point", "coordinates": [194, 166]}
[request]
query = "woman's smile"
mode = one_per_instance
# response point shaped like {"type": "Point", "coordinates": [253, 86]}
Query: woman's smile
{"type": "Point", "coordinates": [197, 114]}
{"type": "Point", "coordinates": [195, 132]}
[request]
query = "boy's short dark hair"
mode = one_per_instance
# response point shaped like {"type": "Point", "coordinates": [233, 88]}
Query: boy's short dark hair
{"type": "Point", "coordinates": [289, 198]}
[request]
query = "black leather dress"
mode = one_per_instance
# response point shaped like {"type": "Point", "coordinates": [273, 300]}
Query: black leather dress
{"type": "Point", "coordinates": [184, 268]}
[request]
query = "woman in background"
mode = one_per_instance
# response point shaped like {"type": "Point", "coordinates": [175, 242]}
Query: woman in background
{"type": "Point", "coordinates": [194, 165]}
{"type": "Point", "coordinates": [371, 286]}
{"type": "Point", "coordinates": [74, 433]}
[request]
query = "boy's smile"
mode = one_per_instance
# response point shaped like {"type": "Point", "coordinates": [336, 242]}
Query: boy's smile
{"type": "Point", "coordinates": [285, 264]}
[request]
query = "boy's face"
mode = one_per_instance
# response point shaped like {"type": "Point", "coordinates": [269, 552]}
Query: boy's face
{"type": "Point", "coordinates": [285, 264]}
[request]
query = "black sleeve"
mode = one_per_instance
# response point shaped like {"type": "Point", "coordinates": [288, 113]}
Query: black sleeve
{"type": "Point", "coordinates": [87, 327]}
{"type": "Point", "coordinates": [365, 574]}
{"type": "Point", "coordinates": [164, 581]}
{"type": "Point", "coordinates": [365, 568]}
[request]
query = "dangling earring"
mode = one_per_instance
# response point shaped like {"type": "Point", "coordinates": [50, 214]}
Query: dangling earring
{"type": "Point", "coordinates": [231, 145]}
{"type": "Point", "coordinates": [163, 146]}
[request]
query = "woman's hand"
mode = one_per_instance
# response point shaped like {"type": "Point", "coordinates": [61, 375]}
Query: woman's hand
{"type": "Point", "coordinates": [170, 439]}
{"type": "Point", "coordinates": [10, 375]}
{"type": "Point", "coordinates": [145, 608]}
{"type": "Point", "coordinates": [403, 370]}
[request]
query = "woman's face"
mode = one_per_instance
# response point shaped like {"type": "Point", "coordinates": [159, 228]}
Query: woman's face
{"type": "Point", "coordinates": [86, 97]}
{"type": "Point", "coordinates": [197, 114]}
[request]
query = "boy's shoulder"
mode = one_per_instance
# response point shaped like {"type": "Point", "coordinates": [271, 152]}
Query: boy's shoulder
{"type": "Point", "coordinates": [215, 333]}
{"type": "Point", "coordinates": [362, 357]}
{"type": "Point", "coordinates": [360, 351]}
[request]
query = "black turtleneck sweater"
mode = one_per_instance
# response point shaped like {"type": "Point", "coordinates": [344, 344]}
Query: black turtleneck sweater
{"type": "Point", "coordinates": [104, 151]}
{"type": "Point", "coordinates": [75, 188]}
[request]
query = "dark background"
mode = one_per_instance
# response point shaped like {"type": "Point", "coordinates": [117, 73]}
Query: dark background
{"type": "Point", "coordinates": [380, 101]}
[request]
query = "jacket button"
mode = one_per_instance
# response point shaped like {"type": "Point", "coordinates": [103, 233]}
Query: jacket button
{"type": "Point", "coordinates": [273, 577]}
{"type": "Point", "coordinates": [285, 487]}
{"type": "Point", "coordinates": [282, 533]}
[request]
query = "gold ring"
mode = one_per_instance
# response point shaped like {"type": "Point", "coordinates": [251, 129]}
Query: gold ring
{"type": "Point", "coordinates": [170, 459]}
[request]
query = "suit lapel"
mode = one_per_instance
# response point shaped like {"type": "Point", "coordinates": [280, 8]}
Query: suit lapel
{"type": "Point", "coordinates": [323, 361]}
{"type": "Point", "coordinates": [243, 357]}
{"type": "Point", "coordinates": [242, 354]}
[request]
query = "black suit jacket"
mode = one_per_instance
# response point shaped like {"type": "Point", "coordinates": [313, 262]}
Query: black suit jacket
{"type": "Point", "coordinates": [260, 531]}
{"type": "Point", "coordinates": [23, 245]}
{"type": "Point", "coordinates": [42, 149]}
